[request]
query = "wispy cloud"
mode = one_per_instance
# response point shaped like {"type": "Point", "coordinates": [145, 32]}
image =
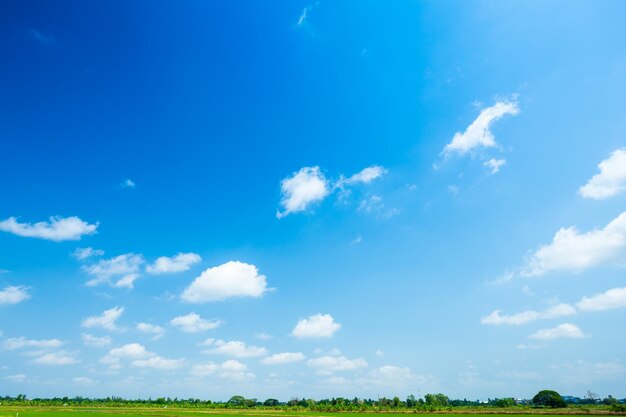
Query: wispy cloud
{"type": "Point", "coordinates": [107, 320]}
{"type": "Point", "coordinates": [478, 134]}
{"type": "Point", "coordinates": [562, 331]}
{"type": "Point", "coordinates": [193, 323]}
{"type": "Point", "coordinates": [233, 348]}
{"type": "Point", "coordinates": [128, 183]}
{"type": "Point", "coordinates": [57, 229]}
{"type": "Point", "coordinates": [120, 271]}
{"type": "Point", "coordinates": [85, 253]}
{"type": "Point", "coordinates": [309, 186]}
{"type": "Point", "coordinates": [44, 39]}
{"type": "Point", "coordinates": [495, 164]}
{"type": "Point", "coordinates": [13, 295]}
{"type": "Point", "coordinates": [302, 19]}
{"type": "Point", "coordinates": [283, 358]}
{"type": "Point", "coordinates": [178, 263]}
{"type": "Point", "coordinates": [560, 310]}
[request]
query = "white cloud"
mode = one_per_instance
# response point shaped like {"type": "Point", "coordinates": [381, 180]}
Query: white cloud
{"type": "Point", "coordinates": [56, 359]}
{"type": "Point", "coordinates": [374, 205]}
{"type": "Point", "coordinates": [263, 336]}
{"type": "Point", "coordinates": [16, 378]}
{"type": "Point", "coordinates": [106, 320]}
{"type": "Point", "coordinates": [193, 323]}
{"type": "Point", "coordinates": [233, 348]}
{"type": "Point", "coordinates": [130, 351]}
{"type": "Point", "coordinates": [95, 341]}
{"type": "Point", "coordinates": [613, 298]}
{"type": "Point", "coordinates": [302, 189]}
{"type": "Point", "coordinates": [282, 358]}
{"type": "Point", "coordinates": [364, 176]}
{"type": "Point", "coordinates": [127, 281]}
{"type": "Point", "coordinates": [13, 295]}
{"type": "Point", "coordinates": [559, 310]}
{"type": "Point", "coordinates": [610, 181]}
{"type": "Point", "coordinates": [318, 325]}
{"type": "Point", "coordinates": [179, 263]}
{"type": "Point", "coordinates": [85, 253]}
{"type": "Point", "coordinates": [128, 183]}
{"type": "Point", "coordinates": [495, 164]}
{"type": "Point", "coordinates": [302, 19]}
{"type": "Point", "coordinates": [84, 381]}
{"type": "Point", "coordinates": [153, 329]}
{"type": "Point", "coordinates": [478, 134]}
{"type": "Point", "coordinates": [158, 362]}
{"type": "Point", "coordinates": [562, 331]}
{"type": "Point", "coordinates": [232, 279]}
{"type": "Point", "coordinates": [58, 229]}
{"type": "Point", "coordinates": [571, 250]}
{"type": "Point", "coordinates": [329, 364]}
{"type": "Point", "coordinates": [22, 342]}
{"type": "Point", "coordinates": [392, 377]}
{"type": "Point", "coordinates": [230, 369]}
{"type": "Point", "coordinates": [123, 268]}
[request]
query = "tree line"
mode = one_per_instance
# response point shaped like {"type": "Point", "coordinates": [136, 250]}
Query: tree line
{"type": "Point", "coordinates": [430, 402]}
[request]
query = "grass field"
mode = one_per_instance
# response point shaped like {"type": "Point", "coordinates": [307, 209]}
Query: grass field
{"type": "Point", "coordinates": [182, 412]}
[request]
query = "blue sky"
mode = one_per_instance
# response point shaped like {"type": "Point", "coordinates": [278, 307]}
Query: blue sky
{"type": "Point", "coordinates": [312, 199]}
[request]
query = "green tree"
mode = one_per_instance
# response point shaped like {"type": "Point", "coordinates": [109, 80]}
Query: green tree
{"type": "Point", "coordinates": [504, 402]}
{"type": "Point", "coordinates": [549, 398]}
{"type": "Point", "coordinates": [270, 402]}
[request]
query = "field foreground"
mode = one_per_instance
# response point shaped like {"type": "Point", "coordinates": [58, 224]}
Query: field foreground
{"type": "Point", "coordinates": [12, 411]}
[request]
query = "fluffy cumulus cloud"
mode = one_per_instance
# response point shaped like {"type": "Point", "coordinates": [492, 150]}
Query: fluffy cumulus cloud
{"type": "Point", "coordinates": [329, 364]}
{"type": "Point", "coordinates": [193, 323]}
{"type": "Point", "coordinates": [107, 320]}
{"type": "Point", "coordinates": [120, 271]}
{"type": "Point", "coordinates": [96, 341]}
{"type": "Point", "coordinates": [562, 331]}
{"type": "Point", "coordinates": [302, 189]}
{"type": "Point", "coordinates": [233, 348]}
{"type": "Point", "coordinates": [85, 253]}
{"type": "Point", "coordinates": [316, 326]}
{"type": "Point", "coordinates": [571, 250]}
{"type": "Point", "coordinates": [282, 358]}
{"type": "Point", "coordinates": [232, 279]}
{"type": "Point", "coordinates": [13, 295]}
{"type": "Point", "coordinates": [57, 229]}
{"type": "Point", "coordinates": [22, 342]}
{"type": "Point", "coordinates": [478, 134]}
{"type": "Point", "coordinates": [613, 298]}
{"type": "Point", "coordinates": [494, 164]}
{"type": "Point", "coordinates": [610, 181]}
{"type": "Point", "coordinates": [230, 369]}
{"type": "Point", "coordinates": [179, 263]}
{"type": "Point", "coordinates": [130, 352]}
{"type": "Point", "coordinates": [559, 310]}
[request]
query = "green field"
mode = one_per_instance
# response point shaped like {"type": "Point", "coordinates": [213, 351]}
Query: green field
{"type": "Point", "coordinates": [11, 411]}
